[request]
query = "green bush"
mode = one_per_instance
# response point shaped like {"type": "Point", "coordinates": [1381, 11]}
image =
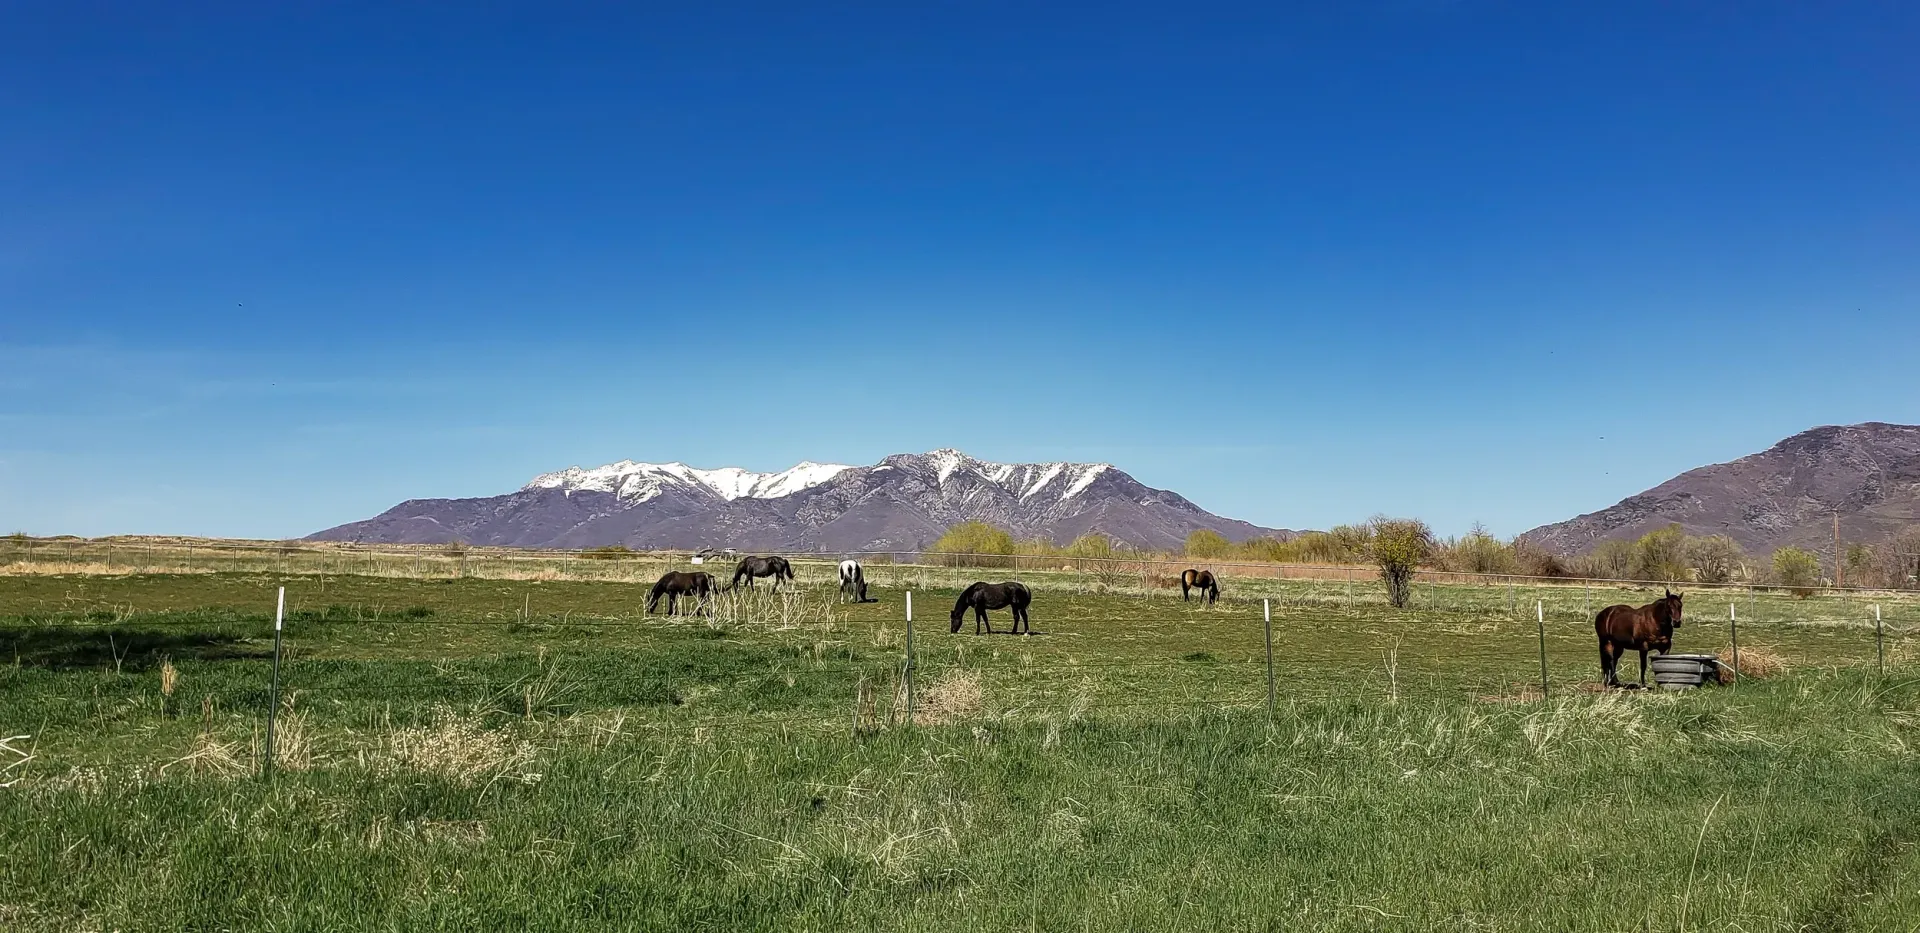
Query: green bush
{"type": "Point", "coordinates": [1715, 558]}
{"type": "Point", "coordinates": [1661, 554]}
{"type": "Point", "coordinates": [1207, 544]}
{"type": "Point", "coordinates": [1796, 568]}
{"type": "Point", "coordinates": [1400, 546]}
{"type": "Point", "coordinates": [974, 538]}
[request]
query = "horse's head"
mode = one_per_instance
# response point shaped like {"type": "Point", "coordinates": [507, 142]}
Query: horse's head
{"type": "Point", "coordinates": [1672, 603]}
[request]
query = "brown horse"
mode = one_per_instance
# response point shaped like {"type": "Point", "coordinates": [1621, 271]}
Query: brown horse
{"type": "Point", "coordinates": [676, 584]}
{"type": "Point", "coordinates": [1203, 581]}
{"type": "Point", "coordinates": [1624, 628]}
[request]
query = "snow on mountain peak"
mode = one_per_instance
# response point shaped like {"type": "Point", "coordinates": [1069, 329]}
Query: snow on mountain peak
{"type": "Point", "coordinates": [639, 482]}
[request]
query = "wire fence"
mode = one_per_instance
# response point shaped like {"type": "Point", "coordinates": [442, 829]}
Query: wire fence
{"type": "Point", "coordinates": [21, 554]}
{"type": "Point", "coordinates": [1258, 655]}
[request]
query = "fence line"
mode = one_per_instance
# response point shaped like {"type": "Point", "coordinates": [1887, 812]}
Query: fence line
{"type": "Point", "coordinates": [460, 560]}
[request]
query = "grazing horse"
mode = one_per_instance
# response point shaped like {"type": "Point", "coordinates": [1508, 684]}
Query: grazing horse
{"type": "Point", "coordinates": [1624, 628]}
{"type": "Point", "coordinates": [676, 584]}
{"type": "Point", "coordinates": [751, 567]}
{"type": "Point", "coordinates": [981, 597]}
{"type": "Point", "coordinates": [853, 581]}
{"type": "Point", "coordinates": [1203, 581]}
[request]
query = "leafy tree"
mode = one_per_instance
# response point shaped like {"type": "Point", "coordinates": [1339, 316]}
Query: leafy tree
{"type": "Point", "coordinates": [1206, 543]}
{"type": "Point", "coordinates": [1714, 558]}
{"type": "Point", "coordinates": [1612, 559]}
{"type": "Point", "coordinates": [1796, 568]}
{"type": "Point", "coordinates": [1661, 554]}
{"type": "Point", "coordinates": [974, 538]}
{"type": "Point", "coordinates": [1480, 552]}
{"type": "Point", "coordinates": [1090, 546]}
{"type": "Point", "coordinates": [1400, 546]}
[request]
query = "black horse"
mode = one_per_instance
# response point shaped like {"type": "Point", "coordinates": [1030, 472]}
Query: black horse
{"type": "Point", "coordinates": [981, 597]}
{"type": "Point", "coordinates": [677, 584]}
{"type": "Point", "coordinates": [853, 581]}
{"type": "Point", "coordinates": [1203, 581]}
{"type": "Point", "coordinates": [751, 567]}
{"type": "Point", "coordinates": [1623, 628]}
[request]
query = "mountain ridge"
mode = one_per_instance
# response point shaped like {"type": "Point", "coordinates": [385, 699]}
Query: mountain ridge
{"type": "Point", "coordinates": [903, 502]}
{"type": "Point", "coordinates": [1867, 473]}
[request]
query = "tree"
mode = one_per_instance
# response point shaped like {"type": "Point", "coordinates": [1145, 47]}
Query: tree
{"type": "Point", "coordinates": [1612, 559]}
{"type": "Point", "coordinates": [1480, 552]}
{"type": "Point", "coordinates": [1399, 547]}
{"type": "Point", "coordinates": [974, 538]}
{"type": "Point", "coordinates": [1661, 554]}
{"type": "Point", "coordinates": [1714, 558]}
{"type": "Point", "coordinates": [1090, 546]}
{"type": "Point", "coordinates": [1795, 568]}
{"type": "Point", "coordinates": [1207, 543]}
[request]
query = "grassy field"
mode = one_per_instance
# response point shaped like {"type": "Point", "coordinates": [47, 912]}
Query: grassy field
{"type": "Point", "coordinates": [480, 753]}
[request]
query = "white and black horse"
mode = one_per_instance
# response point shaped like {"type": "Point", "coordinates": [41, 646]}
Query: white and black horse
{"type": "Point", "coordinates": [853, 581]}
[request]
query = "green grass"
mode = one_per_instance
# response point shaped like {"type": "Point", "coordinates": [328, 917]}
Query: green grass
{"type": "Point", "coordinates": [495, 754]}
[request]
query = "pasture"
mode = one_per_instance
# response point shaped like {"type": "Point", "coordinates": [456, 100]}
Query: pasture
{"type": "Point", "coordinates": [495, 753]}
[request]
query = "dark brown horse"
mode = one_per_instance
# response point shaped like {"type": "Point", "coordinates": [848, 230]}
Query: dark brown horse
{"type": "Point", "coordinates": [677, 584]}
{"type": "Point", "coordinates": [981, 597]}
{"type": "Point", "coordinates": [751, 567]}
{"type": "Point", "coordinates": [1624, 628]}
{"type": "Point", "coordinates": [1203, 581]}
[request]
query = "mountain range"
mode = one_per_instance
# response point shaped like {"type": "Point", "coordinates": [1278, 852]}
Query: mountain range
{"type": "Point", "coordinates": [904, 502]}
{"type": "Point", "coordinates": [1867, 474]}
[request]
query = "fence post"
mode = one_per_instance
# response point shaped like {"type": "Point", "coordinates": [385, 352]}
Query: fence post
{"type": "Point", "coordinates": [1266, 612]}
{"type": "Point", "coordinates": [273, 692]}
{"type": "Point", "coordinates": [1879, 640]}
{"type": "Point", "coordinates": [909, 663]}
{"type": "Point", "coordinates": [1540, 616]}
{"type": "Point", "coordinates": [1733, 636]}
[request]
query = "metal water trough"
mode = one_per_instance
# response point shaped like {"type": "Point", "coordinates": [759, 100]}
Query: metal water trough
{"type": "Point", "coordinates": [1685, 671]}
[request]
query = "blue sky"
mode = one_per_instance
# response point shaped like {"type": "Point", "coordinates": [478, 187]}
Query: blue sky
{"type": "Point", "coordinates": [268, 268]}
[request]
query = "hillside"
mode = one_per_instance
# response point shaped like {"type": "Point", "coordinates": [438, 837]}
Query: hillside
{"type": "Point", "coordinates": [1785, 495]}
{"type": "Point", "coordinates": [904, 502]}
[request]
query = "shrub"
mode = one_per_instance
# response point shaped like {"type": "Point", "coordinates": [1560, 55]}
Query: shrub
{"type": "Point", "coordinates": [1091, 546]}
{"type": "Point", "coordinates": [1796, 568]}
{"type": "Point", "coordinates": [1478, 552]}
{"type": "Point", "coordinates": [1661, 554]}
{"type": "Point", "coordinates": [974, 538]}
{"type": "Point", "coordinates": [1400, 546]}
{"type": "Point", "coordinates": [1207, 543]}
{"type": "Point", "coordinates": [1611, 560]}
{"type": "Point", "coordinates": [610, 552]}
{"type": "Point", "coordinates": [1715, 558]}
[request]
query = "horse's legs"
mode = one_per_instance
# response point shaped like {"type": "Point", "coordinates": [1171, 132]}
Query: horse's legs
{"type": "Point", "coordinates": [1643, 667]}
{"type": "Point", "coordinates": [1183, 591]}
{"type": "Point", "coordinates": [1607, 663]}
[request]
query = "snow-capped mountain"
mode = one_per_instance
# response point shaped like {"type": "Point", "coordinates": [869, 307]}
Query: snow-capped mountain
{"type": "Point", "coordinates": [903, 502]}
{"type": "Point", "coordinates": [639, 482]}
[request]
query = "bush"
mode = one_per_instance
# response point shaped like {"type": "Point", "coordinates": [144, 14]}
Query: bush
{"type": "Point", "coordinates": [1661, 554]}
{"type": "Point", "coordinates": [1090, 546]}
{"type": "Point", "coordinates": [974, 538]}
{"type": "Point", "coordinates": [1797, 569]}
{"type": "Point", "coordinates": [610, 552]}
{"type": "Point", "coordinates": [1715, 558]}
{"type": "Point", "coordinates": [1207, 544]}
{"type": "Point", "coordinates": [1477, 552]}
{"type": "Point", "coordinates": [1611, 560]}
{"type": "Point", "coordinates": [1400, 546]}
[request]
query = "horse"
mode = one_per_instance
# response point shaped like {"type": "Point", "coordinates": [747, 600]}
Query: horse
{"type": "Point", "coordinates": [981, 597]}
{"type": "Point", "coordinates": [751, 567]}
{"type": "Point", "coordinates": [676, 584]}
{"type": "Point", "coordinates": [1624, 628]}
{"type": "Point", "coordinates": [853, 581]}
{"type": "Point", "coordinates": [1203, 581]}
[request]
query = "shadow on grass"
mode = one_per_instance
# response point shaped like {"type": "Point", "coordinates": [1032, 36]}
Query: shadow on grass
{"type": "Point", "coordinates": [74, 648]}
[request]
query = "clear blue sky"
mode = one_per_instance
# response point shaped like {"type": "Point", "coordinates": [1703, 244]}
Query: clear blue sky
{"type": "Point", "coordinates": [265, 268]}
